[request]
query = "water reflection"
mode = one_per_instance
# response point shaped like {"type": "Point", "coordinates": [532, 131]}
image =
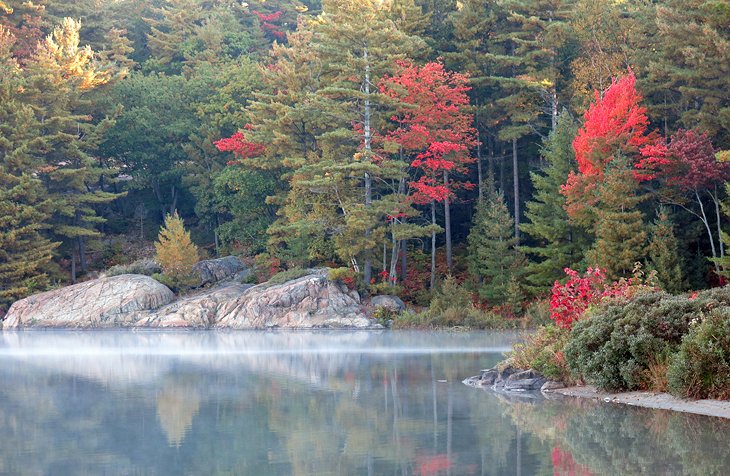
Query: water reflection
{"type": "Point", "coordinates": [311, 403]}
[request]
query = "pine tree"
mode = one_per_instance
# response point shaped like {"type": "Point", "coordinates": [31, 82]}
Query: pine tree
{"type": "Point", "coordinates": [473, 26]}
{"type": "Point", "coordinates": [560, 244]}
{"type": "Point", "coordinates": [24, 206]}
{"type": "Point", "coordinates": [608, 39]}
{"type": "Point", "coordinates": [494, 259]}
{"type": "Point", "coordinates": [664, 256]}
{"type": "Point", "coordinates": [619, 224]}
{"type": "Point", "coordinates": [686, 67]}
{"type": "Point", "coordinates": [59, 75]}
{"type": "Point", "coordinates": [176, 252]}
{"type": "Point", "coordinates": [353, 54]}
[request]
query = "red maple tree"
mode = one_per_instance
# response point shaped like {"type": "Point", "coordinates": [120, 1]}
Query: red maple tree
{"type": "Point", "coordinates": [433, 131]}
{"type": "Point", "coordinates": [241, 147]}
{"type": "Point", "coordinates": [615, 127]}
{"type": "Point", "coordinates": [432, 124]}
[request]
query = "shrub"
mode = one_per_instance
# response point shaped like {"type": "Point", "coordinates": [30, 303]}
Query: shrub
{"type": "Point", "coordinates": [537, 314]}
{"type": "Point", "coordinates": [544, 352]}
{"type": "Point", "coordinates": [625, 342]}
{"type": "Point", "coordinates": [146, 267]}
{"type": "Point", "coordinates": [346, 276]}
{"type": "Point", "coordinates": [288, 275]}
{"type": "Point", "coordinates": [701, 368]}
{"type": "Point", "coordinates": [451, 306]}
{"type": "Point", "coordinates": [176, 253]}
{"type": "Point", "coordinates": [385, 288]}
{"type": "Point", "coordinates": [570, 300]}
{"type": "Point", "coordinates": [166, 280]}
{"type": "Point", "coordinates": [266, 266]}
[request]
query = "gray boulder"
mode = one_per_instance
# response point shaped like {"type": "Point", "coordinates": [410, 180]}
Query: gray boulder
{"type": "Point", "coordinates": [392, 303]}
{"type": "Point", "coordinates": [527, 380]}
{"type": "Point", "coordinates": [488, 376]}
{"type": "Point", "coordinates": [103, 302]}
{"type": "Point", "coordinates": [214, 270]}
{"type": "Point", "coordinates": [311, 301]}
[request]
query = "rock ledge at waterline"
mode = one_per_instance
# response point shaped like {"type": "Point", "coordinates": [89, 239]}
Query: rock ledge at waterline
{"type": "Point", "coordinates": [130, 300]}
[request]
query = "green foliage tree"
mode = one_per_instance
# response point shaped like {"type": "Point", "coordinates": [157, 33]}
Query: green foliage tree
{"type": "Point", "coordinates": [686, 66]}
{"type": "Point", "coordinates": [495, 262]}
{"type": "Point", "coordinates": [664, 256]}
{"type": "Point", "coordinates": [24, 206]}
{"type": "Point", "coordinates": [559, 244]}
{"type": "Point", "coordinates": [619, 229]}
{"type": "Point", "coordinates": [241, 197]}
{"type": "Point", "coordinates": [60, 75]}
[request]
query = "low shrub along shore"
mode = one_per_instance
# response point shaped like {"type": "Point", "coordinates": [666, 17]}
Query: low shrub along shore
{"type": "Point", "coordinates": [629, 335]}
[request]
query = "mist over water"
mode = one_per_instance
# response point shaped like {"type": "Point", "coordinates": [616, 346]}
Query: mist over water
{"type": "Point", "coordinates": [309, 402]}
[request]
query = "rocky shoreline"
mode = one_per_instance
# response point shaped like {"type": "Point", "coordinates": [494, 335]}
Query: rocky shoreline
{"type": "Point", "coordinates": [134, 300]}
{"type": "Point", "coordinates": [507, 380]}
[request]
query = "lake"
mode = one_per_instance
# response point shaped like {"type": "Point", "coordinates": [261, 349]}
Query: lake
{"type": "Point", "coordinates": [309, 402]}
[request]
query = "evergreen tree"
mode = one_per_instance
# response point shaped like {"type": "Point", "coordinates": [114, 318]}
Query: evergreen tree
{"type": "Point", "coordinates": [619, 225]}
{"type": "Point", "coordinates": [473, 25]}
{"type": "Point", "coordinates": [608, 39]}
{"type": "Point", "coordinates": [494, 259]}
{"type": "Point", "coordinates": [352, 55]}
{"type": "Point", "coordinates": [687, 71]}
{"type": "Point", "coordinates": [24, 206]}
{"type": "Point", "coordinates": [560, 244]}
{"type": "Point", "coordinates": [59, 75]}
{"type": "Point", "coordinates": [664, 256]}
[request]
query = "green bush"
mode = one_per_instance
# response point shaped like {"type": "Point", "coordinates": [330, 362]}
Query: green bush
{"type": "Point", "coordinates": [538, 314]}
{"type": "Point", "coordinates": [146, 267]}
{"type": "Point", "coordinates": [623, 343]}
{"type": "Point", "coordinates": [288, 275]}
{"type": "Point", "coordinates": [344, 275]}
{"type": "Point", "coordinates": [701, 368]}
{"type": "Point", "coordinates": [385, 288]}
{"type": "Point", "coordinates": [451, 306]}
{"type": "Point", "coordinates": [544, 351]}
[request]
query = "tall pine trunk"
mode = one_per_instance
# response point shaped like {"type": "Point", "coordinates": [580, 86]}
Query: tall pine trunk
{"type": "Point", "coordinates": [433, 245]}
{"type": "Point", "coordinates": [447, 223]}
{"type": "Point", "coordinates": [368, 271]}
{"type": "Point", "coordinates": [516, 183]}
{"type": "Point", "coordinates": [403, 260]}
{"type": "Point", "coordinates": [480, 179]}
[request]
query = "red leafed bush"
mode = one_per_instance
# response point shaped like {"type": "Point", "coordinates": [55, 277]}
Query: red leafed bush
{"type": "Point", "coordinates": [570, 300]}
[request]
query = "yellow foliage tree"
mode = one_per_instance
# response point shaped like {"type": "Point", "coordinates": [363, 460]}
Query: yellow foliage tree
{"type": "Point", "coordinates": [176, 252]}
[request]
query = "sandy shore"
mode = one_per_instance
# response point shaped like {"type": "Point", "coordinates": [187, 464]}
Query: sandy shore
{"type": "Point", "coordinates": [663, 401]}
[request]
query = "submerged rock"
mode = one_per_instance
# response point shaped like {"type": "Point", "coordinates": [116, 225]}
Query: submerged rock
{"type": "Point", "coordinates": [211, 271]}
{"type": "Point", "coordinates": [508, 378]}
{"type": "Point", "coordinates": [103, 302]}
{"type": "Point", "coordinates": [527, 380]}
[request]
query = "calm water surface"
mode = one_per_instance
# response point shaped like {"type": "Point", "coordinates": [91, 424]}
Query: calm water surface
{"type": "Point", "coordinates": [259, 403]}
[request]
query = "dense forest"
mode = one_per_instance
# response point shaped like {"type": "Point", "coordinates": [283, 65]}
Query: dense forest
{"type": "Point", "coordinates": [401, 141]}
